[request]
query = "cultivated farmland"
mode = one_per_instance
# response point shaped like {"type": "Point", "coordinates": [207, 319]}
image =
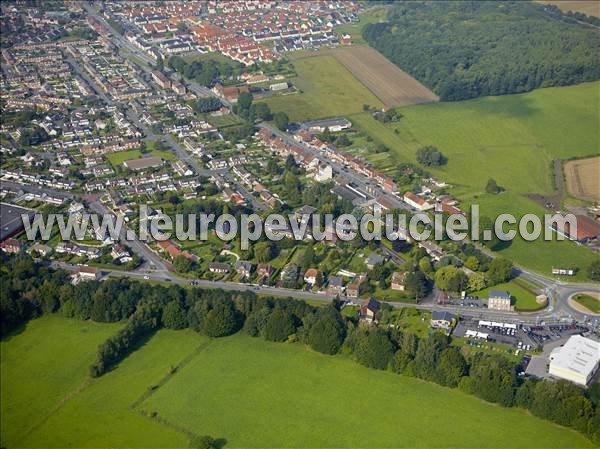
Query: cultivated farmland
{"type": "Point", "coordinates": [388, 82]}
{"type": "Point", "coordinates": [326, 88]}
{"type": "Point", "coordinates": [583, 178]}
{"type": "Point", "coordinates": [588, 7]}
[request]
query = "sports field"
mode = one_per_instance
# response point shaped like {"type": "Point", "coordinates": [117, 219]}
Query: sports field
{"type": "Point", "coordinates": [387, 81]}
{"type": "Point", "coordinates": [326, 89]}
{"type": "Point", "coordinates": [244, 391]}
{"type": "Point", "coordinates": [583, 178]}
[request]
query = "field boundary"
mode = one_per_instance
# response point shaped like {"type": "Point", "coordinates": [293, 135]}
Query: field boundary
{"type": "Point", "coordinates": [60, 404]}
{"type": "Point", "coordinates": [389, 83]}
{"type": "Point", "coordinates": [174, 370]}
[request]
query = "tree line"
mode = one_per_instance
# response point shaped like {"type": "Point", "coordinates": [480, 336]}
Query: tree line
{"type": "Point", "coordinates": [469, 49]}
{"type": "Point", "coordinates": [28, 289]}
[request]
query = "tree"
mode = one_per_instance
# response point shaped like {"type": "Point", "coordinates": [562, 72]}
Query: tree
{"type": "Point", "coordinates": [425, 265]}
{"type": "Point", "coordinates": [430, 156]}
{"type": "Point", "coordinates": [207, 104]}
{"type": "Point", "coordinates": [264, 251]}
{"type": "Point", "coordinates": [173, 316]}
{"type": "Point", "coordinates": [280, 325]}
{"type": "Point", "coordinates": [256, 321]}
{"type": "Point", "coordinates": [281, 120]}
{"type": "Point", "coordinates": [472, 263]}
{"type": "Point", "coordinates": [307, 258]}
{"type": "Point", "coordinates": [327, 334]}
{"type": "Point", "coordinates": [428, 354]}
{"type": "Point", "coordinates": [499, 271]}
{"type": "Point", "coordinates": [492, 378]}
{"type": "Point", "coordinates": [452, 366]}
{"type": "Point", "coordinates": [374, 349]}
{"type": "Point", "coordinates": [492, 187]}
{"type": "Point", "coordinates": [244, 100]}
{"type": "Point", "coordinates": [417, 285]}
{"type": "Point", "coordinates": [160, 66]}
{"type": "Point", "coordinates": [594, 270]}
{"type": "Point", "coordinates": [444, 276]}
{"type": "Point", "coordinates": [458, 282]}
{"type": "Point", "coordinates": [262, 111]}
{"type": "Point", "coordinates": [220, 321]}
{"type": "Point", "coordinates": [182, 264]}
{"type": "Point", "coordinates": [476, 282]}
{"type": "Point", "coordinates": [203, 442]}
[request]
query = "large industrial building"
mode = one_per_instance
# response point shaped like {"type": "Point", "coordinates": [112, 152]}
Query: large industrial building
{"type": "Point", "coordinates": [576, 361]}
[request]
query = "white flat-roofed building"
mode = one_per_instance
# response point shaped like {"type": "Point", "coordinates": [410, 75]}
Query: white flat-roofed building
{"type": "Point", "coordinates": [576, 361]}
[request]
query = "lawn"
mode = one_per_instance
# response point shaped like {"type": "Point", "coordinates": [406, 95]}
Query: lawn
{"type": "Point", "coordinates": [254, 393]}
{"type": "Point", "coordinates": [40, 367]}
{"type": "Point", "coordinates": [588, 301]}
{"type": "Point", "coordinates": [102, 414]}
{"type": "Point", "coordinates": [523, 299]}
{"type": "Point", "coordinates": [512, 139]}
{"type": "Point", "coordinates": [327, 89]}
{"type": "Point", "coordinates": [122, 156]}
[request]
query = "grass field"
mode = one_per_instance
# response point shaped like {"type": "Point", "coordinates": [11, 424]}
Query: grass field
{"type": "Point", "coordinates": [48, 400]}
{"type": "Point", "coordinates": [248, 392]}
{"type": "Point", "coordinates": [327, 89]}
{"type": "Point", "coordinates": [583, 178]}
{"type": "Point", "coordinates": [387, 81]}
{"type": "Point", "coordinates": [589, 302]}
{"type": "Point", "coordinates": [524, 300]}
{"type": "Point", "coordinates": [512, 139]}
{"type": "Point", "coordinates": [254, 393]}
{"type": "Point", "coordinates": [40, 367]}
{"type": "Point", "coordinates": [122, 156]}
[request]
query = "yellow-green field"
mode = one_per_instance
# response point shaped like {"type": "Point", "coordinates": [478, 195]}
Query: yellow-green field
{"type": "Point", "coordinates": [245, 392]}
{"type": "Point", "coordinates": [326, 88]}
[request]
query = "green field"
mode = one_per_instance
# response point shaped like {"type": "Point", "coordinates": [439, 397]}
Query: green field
{"type": "Point", "coordinates": [247, 392]}
{"type": "Point", "coordinates": [588, 301]}
{"type": "Point", "coordinates": [512, 139]}
{"type": "Point", "coordinates": [40, 367]}
{"type": "Point", "coordinates": [326, 88]}
{"type": "Point", "coordinates": [258, 394]}
{"type": "Point", "coordinates": [522, 298]}
{"type": "Point", "coordinates": [122, 156]}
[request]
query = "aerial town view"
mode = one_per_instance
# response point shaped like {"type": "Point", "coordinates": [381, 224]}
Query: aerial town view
{"type": "Point", "coordinates": [300, 224]}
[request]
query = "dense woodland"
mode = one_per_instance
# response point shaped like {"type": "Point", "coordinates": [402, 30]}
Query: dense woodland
{"type": "Point", "coordinates": [28, 290]}
{"type": "Point", "coordinates": [469, 49]}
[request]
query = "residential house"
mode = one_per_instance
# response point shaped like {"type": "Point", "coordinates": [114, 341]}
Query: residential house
{"type": "Point", "coordinates": [373, 260]}
{"type": "Point", "coordinates": [310, 276]}
{"type": "Point", "coordinates": [264, 270]}
{"type": "Point", "coordinates": [442, 320]}
{"type": "Point", "coordinates": [11, 246]}
{"type": "Point", "coordinates": [399, 280]}
{"type": "Point", "coordinates": [353, 290]}
{"type": "Point", "coordinates": [499, 300]}
{"type": "Point", "coordinates": [417, 202]}
{"type": "Point", "coordinates": [368, 310]}
{"type": "Point", "coordinates": [335, 285]}
{"type": "Point", "coordinates": [243, 268]}
{"type": "Point", "coordinates": [218, 267]}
